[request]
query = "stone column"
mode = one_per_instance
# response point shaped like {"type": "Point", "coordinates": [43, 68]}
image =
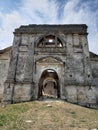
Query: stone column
{"type": "Point", "coordinates": [35, 80]}
{"type": "Point", "coordinates": [69, 60]}
{"type": "Point", "coordinates": [86, 59]}
{"type": "Point", "coordinates": [78, 59]}
{"type": "Point", "coordinates": [14, 59]}
{"type": "Point", "coordinates": [29, 65]}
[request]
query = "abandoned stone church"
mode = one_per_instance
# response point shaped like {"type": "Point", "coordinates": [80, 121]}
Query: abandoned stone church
{"type": "Point", "coordinates": [49, 61]}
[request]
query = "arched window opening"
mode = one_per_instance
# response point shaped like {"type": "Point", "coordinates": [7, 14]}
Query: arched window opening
{"type": "Point", "coordinates": [50, 41]}
{"type": "Point", "coordinates": [59, 43]}
{"type": "Point", "coordinates": [41, 43]}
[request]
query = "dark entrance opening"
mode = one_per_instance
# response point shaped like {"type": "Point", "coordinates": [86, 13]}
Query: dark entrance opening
{"type": "Point", "coordinates": [49, 85]}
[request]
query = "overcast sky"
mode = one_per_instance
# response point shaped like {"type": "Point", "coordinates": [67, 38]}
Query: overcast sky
{"type": "Point", "coordinates": [14, 13]}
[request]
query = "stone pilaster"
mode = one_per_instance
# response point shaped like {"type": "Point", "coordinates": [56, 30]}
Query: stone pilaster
{"type": "Point", "coordinates": [14, 58]}
{"type": "Point", "coordinates": [86, 60]}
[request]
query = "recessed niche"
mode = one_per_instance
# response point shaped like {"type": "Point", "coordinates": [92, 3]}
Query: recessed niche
{"type": "Point", "coordinates": [70, 75]}
{"type": "Point", "coordinates": [88, 75]}
{"type": "Point", "coordinates": [87, 57]}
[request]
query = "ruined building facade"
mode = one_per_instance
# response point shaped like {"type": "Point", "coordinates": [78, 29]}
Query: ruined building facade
{"type": "Point", "coordinates": [52, 61]}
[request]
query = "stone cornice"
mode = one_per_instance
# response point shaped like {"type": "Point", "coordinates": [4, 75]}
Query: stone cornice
{"type": "Point", "coordinates": [67, 29]}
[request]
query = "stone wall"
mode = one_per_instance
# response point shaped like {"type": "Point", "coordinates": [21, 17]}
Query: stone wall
{"type": "Point", "coordinates": [74, 93]}
{"type": "Point", "coordinates": [94, 66]}
{"type": "Point", "coordinates": [32, 54]}
{"type": "Point", "coordinates": [4, 65]}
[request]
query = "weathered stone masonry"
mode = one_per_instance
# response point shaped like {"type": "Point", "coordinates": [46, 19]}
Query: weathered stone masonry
{"type": "Point", "coordinates": [4, 65]}
{"type": "Point", "coordinates": [52, 60]}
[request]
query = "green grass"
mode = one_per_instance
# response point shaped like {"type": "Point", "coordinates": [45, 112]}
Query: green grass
{"type": "Point", "coordinates": [56, 115]}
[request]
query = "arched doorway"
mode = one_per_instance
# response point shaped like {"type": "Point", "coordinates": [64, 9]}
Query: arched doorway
{"type": "Point", "coordinates": [49, 84]}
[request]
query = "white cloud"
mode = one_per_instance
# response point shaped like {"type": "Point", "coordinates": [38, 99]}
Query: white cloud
{"type": "Point", "coordinates": [9, 22]}
{"type": "Point", "coordinates": [83, 16]}
{"type": "Point", "coordinates": [31, 12]}
{"type": "Point", "coordinates": [45, 12]}
{"type": "Point", "coordinates": [41, 11]}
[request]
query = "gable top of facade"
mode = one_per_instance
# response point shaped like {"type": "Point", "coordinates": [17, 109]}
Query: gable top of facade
{"type": "Point", "coordinates": [66, 29]}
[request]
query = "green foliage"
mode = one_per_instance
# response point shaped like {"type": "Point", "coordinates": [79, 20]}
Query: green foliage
{"type": "Point", "coordinates": [2, 119]}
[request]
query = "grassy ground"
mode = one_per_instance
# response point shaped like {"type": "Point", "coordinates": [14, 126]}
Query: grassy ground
{"type": "Point", "coordinates": [47, 115]}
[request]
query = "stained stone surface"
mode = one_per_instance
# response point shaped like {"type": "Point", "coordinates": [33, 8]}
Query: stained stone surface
{"type": "Point", "coordinates": [4, 65]}
{"type": "Point", "coordinates": [56, 52]}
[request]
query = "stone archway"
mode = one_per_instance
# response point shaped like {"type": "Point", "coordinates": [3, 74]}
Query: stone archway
{"type": "Point", "coordinates": [49, 84]}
